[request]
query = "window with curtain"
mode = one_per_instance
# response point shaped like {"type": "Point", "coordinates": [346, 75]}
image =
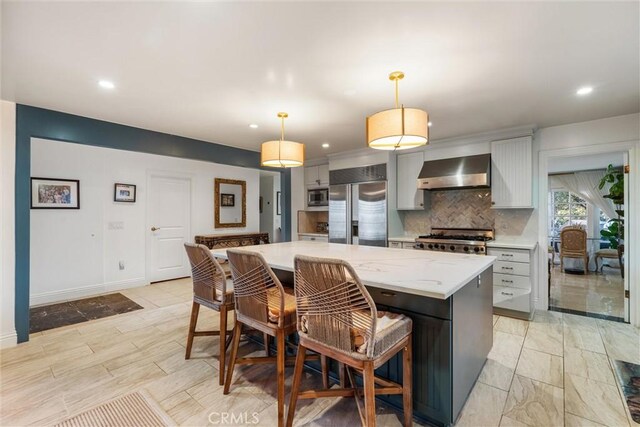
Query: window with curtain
{"type": "Point", "coordinates": [566, 209]}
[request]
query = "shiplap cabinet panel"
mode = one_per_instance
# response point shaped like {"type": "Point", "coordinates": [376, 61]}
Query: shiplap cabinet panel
{"type": "Point", "coordinates": [408, 169]}
{"type": "Point", "coordinates": [512, 173]}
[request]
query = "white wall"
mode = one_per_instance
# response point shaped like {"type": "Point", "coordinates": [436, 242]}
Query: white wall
{"type": "Point", "coordinates": [75, 253]}
{"type": "Point", "coordinates": [7, 223]}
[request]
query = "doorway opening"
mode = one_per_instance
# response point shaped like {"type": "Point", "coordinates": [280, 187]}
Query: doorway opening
{"type": "Point", "coordinates": [586, 264]}
{"type": "Point", "coordinates": [270, 205]}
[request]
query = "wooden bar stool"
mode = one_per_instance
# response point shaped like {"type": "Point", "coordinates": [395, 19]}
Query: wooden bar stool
{"type": "Point", "coordinates": [210, 288]}
{"type": "Point", "coordinates": [264, 304]}
{"type": "Point", "coordinates": [338, 318]}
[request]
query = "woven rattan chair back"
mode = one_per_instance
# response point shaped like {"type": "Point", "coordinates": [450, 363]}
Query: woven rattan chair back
{"type": "Point", "coordinates": [573, 241]}
{"type": "Point", "coordinates": [333, 306]}
{"type": "Point", "coordinates": [209, 280]}
{"type": "Point", "coordinates": [255, 286]}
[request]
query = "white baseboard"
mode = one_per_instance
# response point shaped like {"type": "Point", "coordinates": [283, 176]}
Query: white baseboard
{"type": "Point", "coordinates": [85, 291]}
{"type": "Point", "coordinates": [9, 340]}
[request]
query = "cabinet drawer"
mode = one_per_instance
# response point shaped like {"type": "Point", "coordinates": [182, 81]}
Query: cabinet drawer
{"type": "Point", "coordinates": [397, 245]}
{"type": "Point", "coordinates": [512, 281]}
{"type": "Point", "coordinates": [506, 267]}
{"type": "Point", "coordinates": [408, 245]}
{"type": "Point", "coordinates": [514, 255]}
{"type": "Point", "coordinates": [314, 238]}
{"type": "Point", "coordinates": [511, 298]}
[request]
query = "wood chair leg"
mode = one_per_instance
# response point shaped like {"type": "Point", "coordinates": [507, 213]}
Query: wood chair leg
{"type": "Point", "coordinates": [265, 337]}
{"type": "Point", "coordinates": [407, 384]}
{"type": "Point", "coordinates": [343, 375]}
{"type": "Point", "coordinates": [561, 264]}
{"type": "Point", "coordinates": [325, 371]}
{"type": "Point", "coordinates": [369, 395]}
{"type": "Point", "coordinates": [237, 331]}
{"type": "Point", "coordinates": [195, 309]}
{"type": "Point", "coordinates": [295, 385]}
{"type": "Point", "coordinates": [586, 265]}
{"type": "Point", "coordinates": [223, 342]}
{"type": "Point", "coordinates": [280, 358]}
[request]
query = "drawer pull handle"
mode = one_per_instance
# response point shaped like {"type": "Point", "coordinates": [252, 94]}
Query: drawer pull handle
{"type": "Point", "coordinates": [510, 294]}
{"type": "Point", "coordinates": [507, 281]}
{"type": "Point", "coordinates": [388, 294]}
{"type": "Point", "coordinates": [507, 268]}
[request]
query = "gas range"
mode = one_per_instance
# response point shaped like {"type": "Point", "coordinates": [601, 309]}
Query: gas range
{"type": "Point", "coordinates": [456, 240]}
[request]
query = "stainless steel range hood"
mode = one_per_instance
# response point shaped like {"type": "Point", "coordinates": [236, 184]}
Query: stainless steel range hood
{"type": "Point", "coordinates": [457, 173]}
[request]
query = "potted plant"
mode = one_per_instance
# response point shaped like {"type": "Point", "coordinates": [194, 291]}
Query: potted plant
{"type": "Point", "coordinates": [614, 230]}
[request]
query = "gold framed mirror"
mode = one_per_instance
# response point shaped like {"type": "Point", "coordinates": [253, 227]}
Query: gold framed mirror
{"type": "Point", "coordinates": [230, 203]}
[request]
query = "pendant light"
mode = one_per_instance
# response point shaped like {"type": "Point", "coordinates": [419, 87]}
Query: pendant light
{"type": "Point", "coordinates": [281, 153]}
{"type": "Point", "coordinates": [399, 128]}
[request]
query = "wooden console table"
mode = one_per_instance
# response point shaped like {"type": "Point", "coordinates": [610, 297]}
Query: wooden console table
{"type": "Point", "coordinates": [213, 241]}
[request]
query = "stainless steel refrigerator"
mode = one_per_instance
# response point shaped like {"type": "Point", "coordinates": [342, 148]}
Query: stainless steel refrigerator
{"type": "Point", "coordinates": [358, 213]}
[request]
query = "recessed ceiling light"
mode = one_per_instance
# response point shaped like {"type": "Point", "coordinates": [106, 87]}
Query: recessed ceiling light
{"type": "Point", "coordinates": [106, 84]}
{"type": "Point", "coordinates": [253, 126]}
{"type": "Point", "coordinates": [585, 90]}
{"type": "Point", "coordinates": [429, 124]}
{"type": "Point", "coordinates": [325, 145]}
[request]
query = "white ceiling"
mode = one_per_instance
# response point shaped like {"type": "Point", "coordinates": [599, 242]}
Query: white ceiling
{"type": "Point", "coordinates": [207, 70]}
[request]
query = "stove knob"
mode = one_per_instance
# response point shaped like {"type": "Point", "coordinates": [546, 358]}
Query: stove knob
{"type": "Point", "coordinates": [453, 248]}
{"type": "Point", "coordinates": [476, 249]}
{"type": "Point", "coordinates": [466, 248]}
{"type": "Point", "coordinates": [421, 245]}
{"type": "Point", "coordinates": [442, 247]}
{"type": "Point", "coordinates": [430, 246]}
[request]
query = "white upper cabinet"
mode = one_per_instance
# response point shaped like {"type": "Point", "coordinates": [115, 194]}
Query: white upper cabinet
{"type": "Point", "coordinates": [316, 175]}
{"type": "Point", "coordinates": [512, 173]}
{"type": "Point", "coordinates": [408, 169]}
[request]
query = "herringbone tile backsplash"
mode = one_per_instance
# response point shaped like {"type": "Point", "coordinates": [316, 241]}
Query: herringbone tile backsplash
{"type": "Point", "coordinates": [466, 209]}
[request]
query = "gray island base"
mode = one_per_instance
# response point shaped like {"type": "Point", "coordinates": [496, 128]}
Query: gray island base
{"type": "Point", "coordinates": [452, 332]}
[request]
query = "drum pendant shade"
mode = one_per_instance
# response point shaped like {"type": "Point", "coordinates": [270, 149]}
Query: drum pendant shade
{"type": "Point", "coordinates": [399, 128]}
{"type": "Point", "coordinates": [281, 153]}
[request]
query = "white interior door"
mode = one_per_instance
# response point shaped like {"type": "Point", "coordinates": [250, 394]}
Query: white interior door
{"type": "Point", "coordinates": [168, 227]}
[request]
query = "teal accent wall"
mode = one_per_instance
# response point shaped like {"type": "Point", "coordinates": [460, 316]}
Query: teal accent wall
{"type": "Point", "coordinates": [33, 122]}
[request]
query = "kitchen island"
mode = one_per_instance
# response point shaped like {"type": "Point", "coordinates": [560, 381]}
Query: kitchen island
{"type": "Point", "coordinates": [449, 298]}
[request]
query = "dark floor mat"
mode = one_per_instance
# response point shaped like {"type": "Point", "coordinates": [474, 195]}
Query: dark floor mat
{"type": "Point", "coordinates": [71, 312]}
{"type": "Point", "coordinates": [628, 375]}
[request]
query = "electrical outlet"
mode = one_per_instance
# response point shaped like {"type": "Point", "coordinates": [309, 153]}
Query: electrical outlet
{"type": "Point", "coordinates": [121, 265]}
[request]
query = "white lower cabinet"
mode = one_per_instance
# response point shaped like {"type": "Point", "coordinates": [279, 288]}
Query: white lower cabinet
{"type": "Point", "coordinates": [397, 244]}
{"type": "Point", "coordinates": [512, 282]}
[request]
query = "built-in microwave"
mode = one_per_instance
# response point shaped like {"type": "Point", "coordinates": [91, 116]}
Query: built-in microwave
{"type": "Point", "coordinates": [318, 197]}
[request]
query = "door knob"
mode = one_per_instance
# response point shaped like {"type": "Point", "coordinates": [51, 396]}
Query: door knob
{"type": "Point", "coordinates": [155, 228]}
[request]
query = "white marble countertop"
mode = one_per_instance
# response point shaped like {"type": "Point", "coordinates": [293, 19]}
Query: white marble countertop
{"type": "Point", "coordinates": [513, 243]}
{"type": "Point", "coordinates": [404, 239]}
{"type": "Point", "coordinates": [426, 273]}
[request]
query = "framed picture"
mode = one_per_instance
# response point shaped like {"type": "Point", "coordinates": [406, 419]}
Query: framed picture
{"type": "Point", "coordinates": [124, 193]}
{"type": "Point", "coordinates": [278, 206]}
{"type": "Point", "coordinates": [227, 200]}
{"type": "Point", "coordinates": [50, 193]}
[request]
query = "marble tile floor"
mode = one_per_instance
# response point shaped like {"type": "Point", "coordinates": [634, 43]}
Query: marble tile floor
{"type": "Point", "coordinates": [553, 371]}
{"type": "Point", "coordinates": [593, 293]}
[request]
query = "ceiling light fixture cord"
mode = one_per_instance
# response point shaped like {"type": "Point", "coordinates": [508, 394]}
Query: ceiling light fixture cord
{"type": "Point", "coordinates": [396, 80]}
{"type": "Point", "coordinates": [282, 116]}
